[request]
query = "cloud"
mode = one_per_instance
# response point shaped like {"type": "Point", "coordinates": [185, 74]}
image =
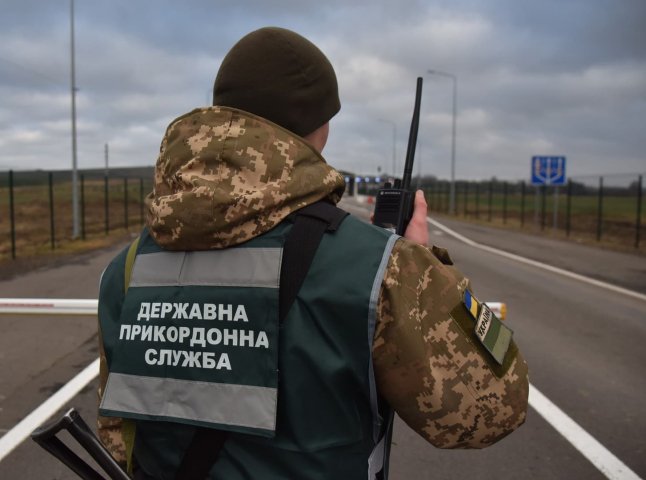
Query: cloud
{"type": "Point", "coordinates": [533, 78]}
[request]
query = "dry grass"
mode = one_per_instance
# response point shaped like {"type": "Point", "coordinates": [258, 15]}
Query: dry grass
{"type": "Point", "coordinates": [33, 221]}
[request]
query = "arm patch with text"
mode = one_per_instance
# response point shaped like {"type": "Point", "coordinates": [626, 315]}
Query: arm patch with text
{"type": "Point", "coordinates": [488, 331]}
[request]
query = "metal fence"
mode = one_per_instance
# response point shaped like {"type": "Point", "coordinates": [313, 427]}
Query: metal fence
{"type": "Point", "coordinates": [608, 209]}
{"type": "Point", "coordinates": [36, 208]}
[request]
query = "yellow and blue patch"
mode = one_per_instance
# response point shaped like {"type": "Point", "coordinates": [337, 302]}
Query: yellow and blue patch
{"type": "Point", "coordinates": [494, 335]}
{"type": "Point", "coordinates": [471, 303]}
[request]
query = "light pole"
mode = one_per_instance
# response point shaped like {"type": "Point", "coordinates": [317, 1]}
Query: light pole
{"type": "Point", "coordinates": [455, 97]}
{"type": "Point", "coordinates": [394, 144]}
{"type": "Point", "coordinates": [75, 195]}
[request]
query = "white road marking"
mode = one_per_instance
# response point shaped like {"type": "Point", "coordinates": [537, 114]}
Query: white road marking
{"type": "Point", "coordinates": [23, 429]}
{"type": "Point", "coordinates": [590, 448]}
{"type": "Point", "coordinates": [544, 266]}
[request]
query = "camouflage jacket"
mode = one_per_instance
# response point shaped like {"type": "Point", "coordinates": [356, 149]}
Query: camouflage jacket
{"type": "Point", "coordinates": [224, 176]}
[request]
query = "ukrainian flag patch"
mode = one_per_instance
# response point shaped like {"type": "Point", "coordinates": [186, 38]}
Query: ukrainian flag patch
{"type": "Point", "coordinates": [494, 335]}
{"type": "Point", "coordinates": [471, 303]}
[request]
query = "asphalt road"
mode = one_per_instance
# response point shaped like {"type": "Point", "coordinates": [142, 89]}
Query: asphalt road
{"type": "Point", "coordinates": [583, 343]}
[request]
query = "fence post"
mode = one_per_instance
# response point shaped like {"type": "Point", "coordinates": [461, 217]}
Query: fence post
{"type": "Point", "coordinates": [522, 204]}
{"type": "Point", "coordinates": [141, 200]}
{"type": "Point", "coordinates": [568, 207]}
{"type": "Point", "coordinates": [12, 218]}
{"type": "Point", "coordinates": [448, 198]}
{"type": "Point", "coordinates": [477, 199]}
{"type": "Point", "coordinates": [638, 223]}
{"type": "Point", "coordinates": [490, 198]}
{"type": "Point", "coordinates": [125, 203]}
{"type": "Point", "coordinates": [431, 196]}
{"type": "Point", "coordinates": [82, 207]}
{"type": "Point", "coordinates": [440, 197]}
{"type": "Point", "coordinates": [543, 195]}
{"type": "Point", "coordinates": [52, 224]}
{"type": "Point", "coordinates": [466, 197]}
{"type": "Point", "coordinates": [504, 202]}
{"type": "Point", "coordinates": [600, 209]}
{"type": "Point", "coordinates": [106, 200]}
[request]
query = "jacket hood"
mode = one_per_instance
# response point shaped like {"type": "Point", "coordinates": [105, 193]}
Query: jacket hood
{"type": "Point", "coordinates": [224, 176]}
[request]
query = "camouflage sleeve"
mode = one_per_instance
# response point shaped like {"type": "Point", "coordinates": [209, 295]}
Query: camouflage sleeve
{"type": "Point", "coordinates": [433, 372]}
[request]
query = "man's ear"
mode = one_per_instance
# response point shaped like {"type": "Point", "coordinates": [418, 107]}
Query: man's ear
{"type": "Point", "coordinates": [318, 138]}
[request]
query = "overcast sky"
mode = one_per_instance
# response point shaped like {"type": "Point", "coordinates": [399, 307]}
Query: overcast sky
{"type": "Point", "coordinates": [542, 77]}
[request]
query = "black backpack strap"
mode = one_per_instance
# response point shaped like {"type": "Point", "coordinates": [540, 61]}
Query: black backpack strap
{"type": "Point", "coordinates": [310, 224]}
{"type": "Point", "coordinates": [201, 454]}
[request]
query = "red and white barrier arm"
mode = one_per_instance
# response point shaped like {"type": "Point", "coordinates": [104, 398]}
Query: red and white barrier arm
{"type": "Point", "coordinates": [48, 306]}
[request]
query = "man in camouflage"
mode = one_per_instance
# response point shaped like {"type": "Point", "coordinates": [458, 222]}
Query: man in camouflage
{"type": "Point", "coordinates": [233, 172]}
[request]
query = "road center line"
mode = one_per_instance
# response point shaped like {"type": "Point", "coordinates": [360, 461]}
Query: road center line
{"type": "Point", "coordinates": [544, 266]}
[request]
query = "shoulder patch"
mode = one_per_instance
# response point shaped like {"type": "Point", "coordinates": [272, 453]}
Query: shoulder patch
{"type": "Point", "coordinates": [494, 335]}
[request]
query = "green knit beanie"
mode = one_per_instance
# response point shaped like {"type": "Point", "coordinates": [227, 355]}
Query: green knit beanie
{"type": "Point", "coordinates": [281, 76]}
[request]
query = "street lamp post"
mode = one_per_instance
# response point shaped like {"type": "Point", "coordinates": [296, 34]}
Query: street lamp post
{"type": "Point", "coordinates": [394, 144]}
{"type": "Point", "coordinates": [455, 97]}
{"type": "Point", "coordinates": [75, 195]}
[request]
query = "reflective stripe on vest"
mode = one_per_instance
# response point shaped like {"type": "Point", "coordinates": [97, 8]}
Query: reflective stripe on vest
{"type": "Point", "coordinates": [242, 405]}
{"type": "Point", "coordinates": [242, 267]}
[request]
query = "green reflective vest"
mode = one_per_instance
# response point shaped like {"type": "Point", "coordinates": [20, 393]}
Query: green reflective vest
{"type": "Point", "coordinates": [196, 341]}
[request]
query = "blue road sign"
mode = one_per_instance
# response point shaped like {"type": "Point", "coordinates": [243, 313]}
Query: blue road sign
{"type": "Point", "coordinates": [548, 170]}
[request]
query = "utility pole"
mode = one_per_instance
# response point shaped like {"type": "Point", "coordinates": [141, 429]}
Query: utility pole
{"type": "Point", "coordinates": [107, 169]}
{"type": "Point", "coordinates": [394, 125]}
{"type": "Point", "coordinates": [454, 78]}
{"type": "Point", "coordinates": [75, 193]}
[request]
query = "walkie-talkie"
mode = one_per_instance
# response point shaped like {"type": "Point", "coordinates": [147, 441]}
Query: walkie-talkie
{"type": "Point", "coordinates": [394, 205]}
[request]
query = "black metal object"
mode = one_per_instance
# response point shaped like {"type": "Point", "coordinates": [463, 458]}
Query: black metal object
{"type": "Point", "coordinates": [638, 223]}
{"type": "Point", "coordinates": [504, 202]}
{"type": "Point", "coordinates": [490, 200]}
{"type": "Point", "coordinates": [52, 223]}
{"type": "Point", "coordinates": [568, 208]}
{"type": "Point", "coordinates": [477, 199]}
{"type": "Point", "coordinates": [74, 424]}
{"type": "Point", "coordinates": [394, 205]}
{"type": "Point", "coordinates": [125, 203]}
{"type": "Point", "coordinates": [82, 207]}
{"type": "Point", "coordinates": [543, 195]}
{"type": "Point", "coordinates": [466, 197]}
{"type": "Point", "coordinates": [522, 203]}
{"type": "Point", "coordinates": [106, 206]}
{"type": "Point", "coordinates": [141, 200]}
{"type": "Point", "coordinates": [600, 210]}
{"type": "Point", "coordinates": [12, 217]}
